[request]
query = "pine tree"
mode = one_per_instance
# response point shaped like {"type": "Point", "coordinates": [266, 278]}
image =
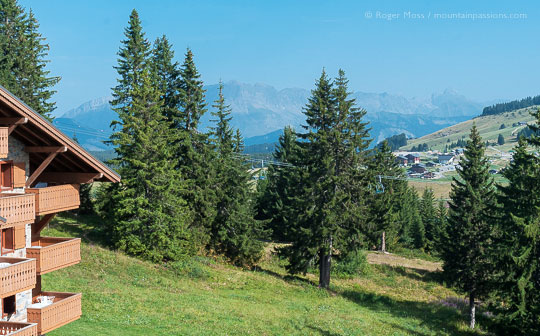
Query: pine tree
{"type": "Point", "coordinates": [383, 215]}
{"type": "Point", "coordinates": [277, 201]}
{"type": "Point", "coordinates": [167, 72]}
{"type": "Point", "coordinates": [194, 156]}
{"type": "Point", "coordinates": [429, 217]}
{"type": "Point", "coordinates": [235, 232]}
{"type": "Point", "coordinates": [23, 58]}
{"type": "Point", "coordinates": [327, 215]}
{"type": "Point", "coordinates": [519, 245]}
{"type": "Point", "coordinates": [147, 216]}
{"type": "Point", "coordinates": [465, 252]}
{"type": "Point", "coordinates": [417, 230]}
{"type": "Point", "coordinates": [440, 226]}
{"type": "Point", "coordinates": [500, 140]}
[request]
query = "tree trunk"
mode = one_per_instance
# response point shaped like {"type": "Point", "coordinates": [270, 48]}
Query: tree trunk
{"type": "Point", "coordinates": [383, 242]}
{"type": "Point", "coordinates": [325, 261]}
{"type": "Point", "coordinates": [324, 270]}
{"type": "Point", "coordinates": [472, 311]}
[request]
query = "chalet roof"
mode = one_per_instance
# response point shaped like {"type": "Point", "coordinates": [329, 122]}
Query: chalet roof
{"type": "Point", "coordinates": [71, 164]}
{"type": "Point", "coordinates": [401, 157]}
{"type": "Point", "coordinates": [414, 155]}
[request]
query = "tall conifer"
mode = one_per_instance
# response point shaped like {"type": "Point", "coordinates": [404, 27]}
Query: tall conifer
{"type": "Point", "coordinates": [519, 245]}
{"type": "Point", "coordinates": [23, 62]}
{"type": "Point", "coordinates": [466, 251]}
{"type": "Point", "coordinates": [327, 212]}
{"type": "Point", "coordinates": [147, 216]}
{"type": "Point", "coordinates": [234, 231]}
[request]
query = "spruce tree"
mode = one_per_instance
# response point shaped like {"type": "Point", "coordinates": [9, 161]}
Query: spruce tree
{"type": "Point", "coordinates": [383, 214]}
{"type": "Point", "coordinates": [277, 201]}
{"type": "Point", "coordinates": [146, 214]}
{"type": "Point", "coordinates": [235, 231]}
{"type": "Point", "coordinates": [194, 156]}
{"type": "Point", "coordinates": [429, 218]}
{"type": "Point", "coordinates": [167, 72]}
{"type": "Point", "coordinates": [441, 222]}
{"type": "Point", "coordinates": [466, 250]}
{"type": "Point", "coordinates": [327, 213]}
{"type": "Point", "coordinates": [23, 58]}
{"type": "Point", "coordinates": [500, 140]}
{"type": "Point", "coordinates": [519, 245]}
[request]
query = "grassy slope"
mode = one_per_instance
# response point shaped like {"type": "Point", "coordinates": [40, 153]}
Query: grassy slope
{"type": "Point", "coordinates": [489, 130]}
{"type": "Point", "coordinates": [488, 127]}
{"type": "Point", "coordinates": [126, 296]}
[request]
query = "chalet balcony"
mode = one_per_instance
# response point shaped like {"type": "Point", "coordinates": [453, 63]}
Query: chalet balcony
{"type": "Point", "coordinates": [18, 329]}
{"type": "Point", "coordinates": [52, 253]}
{"type": "Point", "coordinates": [65, 308]}
{"type": "Point", "coordinates": [56, 198]}
{"type": "Point", "coordinates": [17, 209]}
{"type": "Point", "coordinates": [4, 135]}
{"type": "Point", "coordinates": [16, 275]}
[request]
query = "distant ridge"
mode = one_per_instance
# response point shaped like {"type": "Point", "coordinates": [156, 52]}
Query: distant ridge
{"type": "Point", "coordinates": [511, 106]}
{"type": "Point", "coordinates": [261, 111]}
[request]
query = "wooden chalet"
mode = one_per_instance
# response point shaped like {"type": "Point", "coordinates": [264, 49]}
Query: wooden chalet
{"type": "Point", "coordinates": [41, 170]}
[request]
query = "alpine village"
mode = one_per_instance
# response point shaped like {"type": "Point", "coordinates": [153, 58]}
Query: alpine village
{"type": "Point", "coordinates": [180, 228]}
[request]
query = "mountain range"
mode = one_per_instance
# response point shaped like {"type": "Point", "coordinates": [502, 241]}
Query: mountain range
{"type": "Point", "coordinates": [261, 111]}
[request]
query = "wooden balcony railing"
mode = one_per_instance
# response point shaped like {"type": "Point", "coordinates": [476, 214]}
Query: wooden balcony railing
{"type": "Point", "coordinates": [4, 135]}
{"type": "Point", "coordinates": [56, 199]}
{"type": "Point", "coordinates": [52, 253]}
{"type": "Point", "coordinates": [17, 209]}
{"type": "Point", "coordinates": [18, 329]}
{"type": "Point", "coordinates": [16, 275]}
{"type": "Point", "coordinates": [65, 308]}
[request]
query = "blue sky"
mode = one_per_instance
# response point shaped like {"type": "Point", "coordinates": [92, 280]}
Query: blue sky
{"type": "Point", "coordinates": [286, 43]}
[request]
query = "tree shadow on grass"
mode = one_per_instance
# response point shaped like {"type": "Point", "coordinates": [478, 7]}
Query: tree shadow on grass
{"type": "Point", "coordinates": [321, 331]}
{"type": "Point", "coordinates": [85, 227]}
{"type": "Point", "coordinates": [286, 277]}
{"type": "Point", "coordinates": [414, 273]}
{"type": "Point", "coordinates": [438, 318]}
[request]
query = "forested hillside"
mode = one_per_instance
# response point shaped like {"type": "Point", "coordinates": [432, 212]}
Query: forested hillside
{"type": "Point", "coordinates": [511, 106]}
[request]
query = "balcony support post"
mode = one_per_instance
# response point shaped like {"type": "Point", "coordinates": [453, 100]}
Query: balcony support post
{"type": "Point", "coordinates": [40, 224]}
{"type": "Point", "coordinates": [36, 290]}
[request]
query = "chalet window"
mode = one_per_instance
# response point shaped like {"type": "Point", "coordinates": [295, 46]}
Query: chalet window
{"type": "Point", "coordinates": [6, 175]}
{"type": "Point", "coordinates": [7, 241]}
{"type": "Point", "coordinates": [8, 306]}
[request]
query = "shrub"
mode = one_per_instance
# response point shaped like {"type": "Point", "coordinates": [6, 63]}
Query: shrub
{"type": "Point", "coordinates": [193, 267]}
{"type": "Point", "coordinates": [355, 263]}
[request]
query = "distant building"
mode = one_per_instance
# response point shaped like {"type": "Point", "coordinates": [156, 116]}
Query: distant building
{"type": "Point", "coordinates": [446, 158]}
{"type": "Point", "coordinates": [429, 175]}
{"type": "Point", "coordinates": [430, 164]}
{"type": "Point", "coordinates": [413, 158]}
{"type": "Point", "coordinates": [402, 160]}
{"type": "Point", "coordinates": [418, 168]}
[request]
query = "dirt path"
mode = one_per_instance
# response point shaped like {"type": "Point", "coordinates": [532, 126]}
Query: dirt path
{"type": "Point", "coordinates": [395, 260]}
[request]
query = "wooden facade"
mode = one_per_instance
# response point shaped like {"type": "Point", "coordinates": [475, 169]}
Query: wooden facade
{"type": "Point", "coordinates": [41, 170]}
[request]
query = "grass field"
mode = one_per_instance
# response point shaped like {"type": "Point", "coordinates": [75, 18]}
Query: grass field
{"type": "Point", "coordinates": [126, 296]}
{"type": "Point", "coordinates": [488, 127]}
